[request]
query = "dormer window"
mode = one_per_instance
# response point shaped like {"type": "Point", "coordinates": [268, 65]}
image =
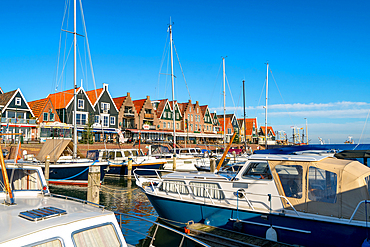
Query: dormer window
{"type": "Point", "coordinates": [18, 101]}
{"type": "Point", "coordinates": [81, 104]}
{"type": "Point", "coordinates": [105, 106]}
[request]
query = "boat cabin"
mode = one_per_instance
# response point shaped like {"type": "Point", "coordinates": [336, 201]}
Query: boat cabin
{"type": "Point", "coordinates": [312, 184]}
{"type": "Point", "coordinates": [117, 155]}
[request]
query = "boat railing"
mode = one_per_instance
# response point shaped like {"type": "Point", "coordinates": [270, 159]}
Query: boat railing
{"type": "Point", "coordinates": [77, 200]}
{"type": "Point", "coordinates": [356, 209]}
{"type": "Point", "coordinates": [243, 194]}
{"type": "Point", "coordinates": [184, 236]}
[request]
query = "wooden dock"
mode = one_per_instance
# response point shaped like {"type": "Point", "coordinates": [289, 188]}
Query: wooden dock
{"type": "Point", "coordinates": [218, 237]}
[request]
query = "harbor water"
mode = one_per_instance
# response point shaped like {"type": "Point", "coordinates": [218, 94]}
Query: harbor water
{"type": "Point", "coordinates": [122, 195]}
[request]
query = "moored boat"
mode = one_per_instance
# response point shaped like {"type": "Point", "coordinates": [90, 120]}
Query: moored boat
{"type": "Point", "coordinates": [296, 199]}
{"type": "Point", "coordinates": [32, 216]}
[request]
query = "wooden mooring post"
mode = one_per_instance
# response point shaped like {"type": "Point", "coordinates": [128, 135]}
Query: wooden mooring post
{"type": "Point", "coordinates": [213, 165]}
{"type": "Point", "coordinates": [93, 184]}
{"type": "Point", "coordinates": [129, 168]}
{"type": "Point", "coordinates": [46, 171]}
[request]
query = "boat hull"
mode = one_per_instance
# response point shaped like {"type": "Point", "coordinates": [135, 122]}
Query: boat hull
{"type": "Point", "coordinates": [73, 173]}
{"type": "Point", "coordinates": [292, 230]}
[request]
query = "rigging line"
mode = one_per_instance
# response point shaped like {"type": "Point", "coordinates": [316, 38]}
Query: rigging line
{"type": "Point", "coordinates": [162, 62]}
{"type": "Point", "coordinates": [60, 44]}
{"type": "Point", "coordinates": [232, 99]}
{"type": "Point", "coordinates": [167, 80]}
{"type": "Point", "coordinates": [65, 63]}
{"type": "Point", "coordinates": [65, 45]}
{"type": "Point", "coordinates": [281, 95]}
{"type": "Point", "coordinates": [359, 141]}
{"type": "Point", "coordinates": [263, 88]}
{"type": "Point", "coordinates": [91, 66]}
{"type": "Point", "coordinates": [237, 108]}
{"type": "Point", "coordinates": [183, 75]}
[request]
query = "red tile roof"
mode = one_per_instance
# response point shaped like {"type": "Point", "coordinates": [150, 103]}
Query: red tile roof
{"type": "Point", "coordinates": [119, 101]}
{"type": "Point", "coordinates": [38, 106]}
{"type": "Point", "coordinates": [160, 107]}
{"type": "Point", "coordinates": [60, 100]}
{"type": "Point", "coordinates": [227, 123]}
{"type": "Point", "coordinates": [94, 95]}
{"type": "Point", "coordinates": [269, 129]}
{"type": "Point", "coordinates": [139, 104]}
{"type": "Point", "coordinates": [249, 124]}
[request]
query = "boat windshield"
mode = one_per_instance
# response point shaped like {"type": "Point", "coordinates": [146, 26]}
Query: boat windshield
{"type": "Point", "coordinates": [22, 179]}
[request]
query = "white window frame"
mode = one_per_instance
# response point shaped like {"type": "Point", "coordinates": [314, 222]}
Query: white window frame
{"type": "Point", "coordinates": [103, 120]}
{"type": "Point", "coordinates": [18, 101]}
{"type": "Point", "coordinates": [97, 117]}
{"type": "Point", "coordinates": [112, 120]}
{"type": "Point", "coordinates": [105, 106]}
{"type": "Point", "coordinates": [45, 118]}
{"type": "Point", "coordinates": [80, 104]}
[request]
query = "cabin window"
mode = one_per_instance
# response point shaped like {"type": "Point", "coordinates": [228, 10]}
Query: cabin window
{"type": "Point", "coordinates": [104, 155]}
{"type": "Point", "coordinates": [291, 179]}
{"type": "Point", "coordinates": [98, 236]}
{"type": "Point", "coordinates": [112, 155]}
{"type": "Point", "coordinates": [118, 155]}
{"type": "Point", "coordinates": [322, 185]}
{"type": "Point", "coordinates": [207, 190]}
{"type": "Point", "coordinates": [174, 186]}
{"type": "Point", "coordinates": [127, 153]}
{"type": "Point", "coordinates": [258, 170]}
{"type": "Point", "coordinates": [135, 153]}
{"type": "Point", "coordinates": [20, 179]}
{"type": "Point", "coordinates": [50, 243]}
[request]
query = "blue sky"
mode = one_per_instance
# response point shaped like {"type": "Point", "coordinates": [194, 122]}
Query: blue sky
{"type": "Point", "coordinates": [317, 50]}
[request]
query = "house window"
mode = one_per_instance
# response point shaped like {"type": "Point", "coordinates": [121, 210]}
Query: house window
{"type": "Point", "coordinates": [45, 116]}
{"type": "Point", "coordinates": [105, 106]}
{"type": "Point", "coordinates": [190, 109]}
{"type": "Point", "coordinates": [164, 125]}
{"type": "Point", "coordinates": [112, 120]}
{"type": "Point", "coordinates": [81, 118]}
{"type": "Point", "coordinates": [105, 121]}
{"type": "Point", "coordinates": [177, 126]}
{"type": "Point", "coordinates": [81, 104]}
{"type": "Point", "coordinates": [51, 116]}
{"type": "Point", "coordinates": [18, 101]}
{"type": "Point", "coordinates": [196, 127]}
{"type": "Point", "coordinates": [97, 119]}
{"type": "Point", "coordinates": [229, 131]}
{"type": "Point", "coordinates": [197, 110]}
{"type": "Point", "coordinates": [191, 116]}
{"type": "Point", "coordinates": [188, 117]}
{"type": "Point", "coordinates": [168, 125]}
{"type": "Point", "coordinates": [191, 127]}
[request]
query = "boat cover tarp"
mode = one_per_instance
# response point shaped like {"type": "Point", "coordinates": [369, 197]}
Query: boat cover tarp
{"type": "Point", "coordinates": [353, 154]}
{"type": "Point", "coordinates": [352, 178]}
{"type": "Point", "coordinates": [56, 148]}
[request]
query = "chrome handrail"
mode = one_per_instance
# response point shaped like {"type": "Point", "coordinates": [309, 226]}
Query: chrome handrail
{"type": "Point", "coordinates": [222, 190]}
{"type": "Point", "coordinates": [119, 214]}
{"type": "Point", "coordinates": [355, 211]}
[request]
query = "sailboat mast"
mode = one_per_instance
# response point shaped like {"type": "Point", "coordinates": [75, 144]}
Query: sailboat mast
{"type": "Point", "coordinates": [173, 92]}
{"type": "Point", "coordinates": [223, 66]}
{"type": "Point", "coordinates": [74, 80]}
{"type": "Point", "coordinates": [245, 129]}
{"type": "Point", "coordinates": [267, 86]}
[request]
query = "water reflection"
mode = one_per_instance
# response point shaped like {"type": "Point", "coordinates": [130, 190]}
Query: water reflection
{"type": "Point", "coordinates": [122, 195]}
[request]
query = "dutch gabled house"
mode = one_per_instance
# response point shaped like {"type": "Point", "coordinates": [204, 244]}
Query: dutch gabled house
{"type": "Point", "coordinates": [49, 125]}
{"type": "Point", "coordinates": [251, 130]}
{"type": "Point", "coordinates": [127, 112]}
{"type": "Point", "coordinates": [16, 116]}
{"type": "Point", "coordinates": [105, 118]}
{"type": "Point", "coordinates": [64, 105]}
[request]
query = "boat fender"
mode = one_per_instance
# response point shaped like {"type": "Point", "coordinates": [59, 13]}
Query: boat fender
{"type": "Point", "coordinates": [271, 234]}
{"type": "Point", "coordinates": [239, 193]}
{"type": "Point", "coordinates": [366, 243]}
